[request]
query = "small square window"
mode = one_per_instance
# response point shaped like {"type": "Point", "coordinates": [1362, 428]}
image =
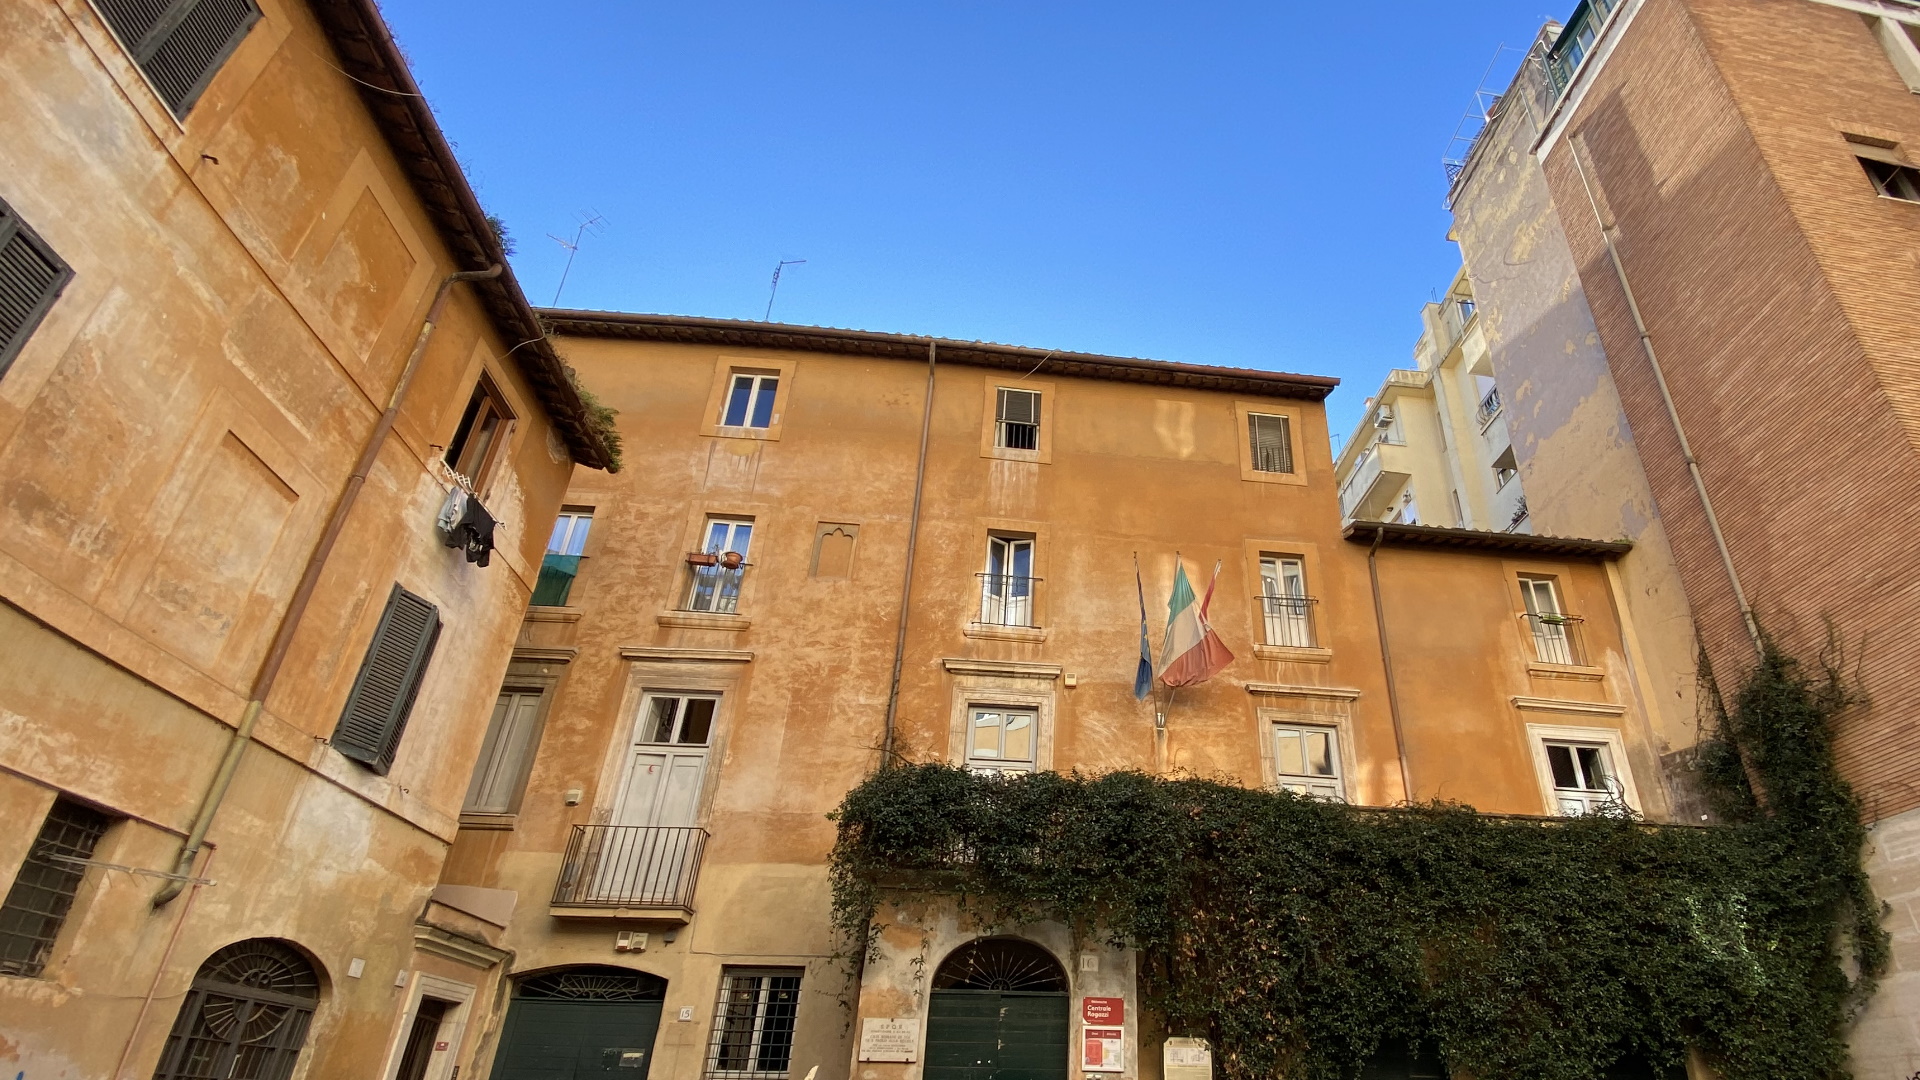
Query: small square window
{"type": "Point", "coordinates": [1017, 420]}
{"type": "Point", "coordinates": [1892, 180]}
{"type": "Point", "coordinates": [1306, 760]}
{"type": "Point", "coordinates": [753, 1022]}
{"type": "Point", "coordinates": [750, 399]}
{"type": "Point", "coordinates": [1001, 740]}
{"type": "Point", "coordinates": [1271, 439]}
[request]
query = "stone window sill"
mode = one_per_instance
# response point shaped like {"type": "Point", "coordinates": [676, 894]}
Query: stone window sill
{"type": "Point", "coordinates": [489, 821]}
{"type": "Point", "coordinates": [996, 632]}
{"type": "Point", "coordinates": [1292, 654]}
{"type": "Point", "coordinates": [702, 620]}
{"type": "Point", "coordinates": [1577, 672]}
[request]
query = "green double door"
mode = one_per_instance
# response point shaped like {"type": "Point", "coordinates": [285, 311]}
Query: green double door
{"type": "Point", "coordinates": [996, 1035]}
{"type": "Point", "coordinates": [574, 1040]}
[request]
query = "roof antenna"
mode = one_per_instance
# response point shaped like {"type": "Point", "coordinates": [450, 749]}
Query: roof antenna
{"type": "Point", "coordinates": [591, 221]}
{"type": "Point", "coordinates": [775, 289]}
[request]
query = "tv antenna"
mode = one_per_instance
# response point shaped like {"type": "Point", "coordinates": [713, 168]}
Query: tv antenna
{"type": "Point", "coordinates": [591, 222]}
{"type": "Point", "coordinates": [775, 289]}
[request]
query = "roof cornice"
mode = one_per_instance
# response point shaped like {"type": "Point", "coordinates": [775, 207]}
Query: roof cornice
{"type": "Point", "coordinates": [369, 56]}
{"type": "Point", "coordinates": [1500, 543]}
{"type": "Point", "coordinates": [745, 334]}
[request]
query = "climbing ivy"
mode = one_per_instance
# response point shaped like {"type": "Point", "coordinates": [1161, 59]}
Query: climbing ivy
{"type": "Point", "coordinates": [1298, 935]}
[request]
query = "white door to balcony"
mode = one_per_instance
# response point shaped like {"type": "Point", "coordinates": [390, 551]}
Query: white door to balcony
{"type": "Point", "coordinates": [650, 850]}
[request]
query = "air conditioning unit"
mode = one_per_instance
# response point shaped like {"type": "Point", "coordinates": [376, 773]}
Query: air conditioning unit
{"type": "Point", "coordinates": [1384, 420]}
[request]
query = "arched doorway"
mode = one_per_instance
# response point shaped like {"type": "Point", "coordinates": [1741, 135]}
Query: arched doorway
{"type": "Point", "coordinates": [581, 1021]}
{"type": "Point", "coordinates": [245, 1017]}
{"type": "Point", "coordinates": [998, 1012]}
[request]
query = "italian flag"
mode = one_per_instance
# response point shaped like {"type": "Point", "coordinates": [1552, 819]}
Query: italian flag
{"type": "Point", "coordinates": [1192, 652]}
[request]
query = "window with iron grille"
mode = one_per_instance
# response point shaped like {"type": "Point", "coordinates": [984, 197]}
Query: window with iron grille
{"type": "Point", "coordinates": [180, 44]}
{"type": "Point", "coordinates": [246, 1015]}
{"type": "Point", "coordinates": [31, 277]}
{"type": "Point", "coordinates": [1017, 420]}
{"type": "Point", "coordinates": [1271, 441]}
{"type": "Point", "coordinates": [753, 1022]}
{"type": "Point", "coordinates": [382, 698]}
{"type": "Point", "coordinates": [43, 891]}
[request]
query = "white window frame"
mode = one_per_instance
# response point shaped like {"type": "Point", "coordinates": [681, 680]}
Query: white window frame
{"type": "Point", "coordinates": [1551, 642]}
{"type": "Point", "coordinates": [763, 389]}
{"type": "Point", "coordinates": [570, 531]}
{"type": "Point", "coordinates": [1006, 599]}
{"type": "Point", "coordinates": [1282, 578]}
{"type": "Point", "coordinates": [721, 586]}
{"type": "Point", "coordinates": [1332, 786]}
{"type": "Point", "coordinates": [1540, 736]}
{"type": "Point", "coordinates": [998, 763]}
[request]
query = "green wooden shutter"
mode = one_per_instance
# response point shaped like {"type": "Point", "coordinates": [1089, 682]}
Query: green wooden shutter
{"type": "Point", "coordinates": [377, 709]}
{"type": "Point", "coordinates": [180, 44]}
{"type": "Point", "coordinates": [31, 277]}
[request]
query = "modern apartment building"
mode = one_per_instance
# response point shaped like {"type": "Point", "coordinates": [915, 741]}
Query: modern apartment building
{"type": "Point", "coordinates": [1433, 447]}
{"type": "Point", "coordinates": [851, 544]}
{"type": "Point", "coordinates": [260, 366]}
{"type": "Point", "coordinates": [1691, 225]}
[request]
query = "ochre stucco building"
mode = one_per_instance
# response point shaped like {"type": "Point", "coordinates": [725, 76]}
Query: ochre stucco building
{"type": "Point", "coordinates": [216, 262]}
{"type": "Point", "coordinates": [673, 732]}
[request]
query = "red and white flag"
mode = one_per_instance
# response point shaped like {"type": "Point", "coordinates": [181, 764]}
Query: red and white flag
{"type": "Point", "coordinates": [1192, 652]}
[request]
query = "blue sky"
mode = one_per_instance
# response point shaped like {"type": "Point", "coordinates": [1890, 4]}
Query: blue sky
{"type": "Point", "coordinates": [1255, 185]}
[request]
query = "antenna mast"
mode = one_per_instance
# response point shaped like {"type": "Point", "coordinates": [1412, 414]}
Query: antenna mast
{"type": "Point", "coordinates": [774, 290]}
{"type": "Point", "coordinates": [590, 222]}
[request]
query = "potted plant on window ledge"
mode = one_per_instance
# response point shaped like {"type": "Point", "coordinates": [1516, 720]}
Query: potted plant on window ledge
{"type": "Point", "coordinates": [702, 558]}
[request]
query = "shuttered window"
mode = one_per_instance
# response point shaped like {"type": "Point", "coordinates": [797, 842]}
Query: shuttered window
{"type": "Point", "coordinates": [1272, 443]}
{"type": "Point", "coordinates": [382, 697]}
{"type": "Point", "coordinates": [180, 44]}
{"type": "Point", "coordinates": [1017, 420]}
{"type": "Point", "coordinates": [31, 276]}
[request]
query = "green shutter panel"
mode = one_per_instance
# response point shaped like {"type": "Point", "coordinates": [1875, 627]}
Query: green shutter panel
{"type": "Point", "coordinates": [31, 276]}
{"type": "Point", "coordinates": [377, 709]}
{"type": "Point", "coordinates": [180, 44]}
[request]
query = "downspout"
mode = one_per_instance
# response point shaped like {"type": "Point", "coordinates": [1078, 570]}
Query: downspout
{"type": "Point", "coordinates": [303, 593]}
{"type": "Point", "coordinates": [906, 588]}
{"type": "Point", "coordinates": [1673, 414]}
{"type": "Point", "coordinates": [1386, 661]}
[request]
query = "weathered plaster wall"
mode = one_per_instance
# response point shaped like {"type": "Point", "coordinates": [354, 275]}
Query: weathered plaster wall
{"type": "Point", "coordinates": [1579, 462]}
{"type": "Point", "coordinates": [247, 285]}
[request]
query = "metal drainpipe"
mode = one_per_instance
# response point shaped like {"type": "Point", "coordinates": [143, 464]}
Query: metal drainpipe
{"type": "Point", "coordinates": [269, 671]}
{"type": "Point", "coordinates": [1386, 661]}
{"type": "Point", "coordinates": [913, 539]}
{"type": "Point", "coordinates": [1673, 414]}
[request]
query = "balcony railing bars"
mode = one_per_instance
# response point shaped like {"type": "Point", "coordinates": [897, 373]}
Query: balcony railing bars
{"type": "Point", "coordinates": [1557, 639]}
{"type": "Point", "coordinates": [1015, 435]}
{"type": "Point", "coordinates": [632, 866]}
{"type": "Point", "coordinates": [1489, 406]}
{"type": "Point", "coordinates": [1289, 620]}
{"type": "Point", "coordinates": [1006, 599]}
{"type": "Point", "coordinates": [716, 589]}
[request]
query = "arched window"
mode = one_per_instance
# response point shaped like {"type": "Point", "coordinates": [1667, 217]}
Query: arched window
{"type": "Point", "coordinates": [592, 983]}
{"type": "Point", "coordinates": [245, 1017]}
{"type": "Point", "coordinates": [1000, 963]}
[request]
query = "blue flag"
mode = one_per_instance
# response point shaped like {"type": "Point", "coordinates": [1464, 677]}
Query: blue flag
{"type": "Point", "coordinates": [1143, 675]}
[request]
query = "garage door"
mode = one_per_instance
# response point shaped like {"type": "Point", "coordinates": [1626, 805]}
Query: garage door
{"type": "Point", "coordinates": [576, 1023]}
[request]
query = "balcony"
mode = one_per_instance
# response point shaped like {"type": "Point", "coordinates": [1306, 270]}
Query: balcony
{"type": "Point", "coordinates": [629, 872]}
{"type": "Point", "coordinates": [1006, 600]}
{"type": "Point", "coordinates": [1557, 639]}
{"type": "Point", "coordinates": [1489, 407]}
{"type": "Point", "coordinates": [1376, 480]}
{"type": "Point", "coordinates": [1288, 621]}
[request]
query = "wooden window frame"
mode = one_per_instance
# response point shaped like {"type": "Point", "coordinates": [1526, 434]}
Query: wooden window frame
{"type": "Point", "coordinates": [15, 230]}
{"type": "Point", "coordinates": [487, 394]}
{"type": "Point", "coordinates": [374, 743]}
{"type": "Point", "coordinates": [998, 764]}
{"type": "Point", "coordinates": [1338, 781]}
{"type": "Point", "coordinates": [161, 33]}
{"type": "Point", "coordinates": [1243, 411]}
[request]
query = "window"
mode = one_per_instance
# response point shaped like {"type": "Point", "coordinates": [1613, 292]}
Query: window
{"type": "Point", "coordinates": [1504, 469]}
{"type": "Point", "coordinates": [678, 721]}
{"type": "Point", "coordinates": [31, 277]}
{"type": "Point", "coordinates": [1271, 441]}
{"type": "Point", "coordinates": [1405, 513]}
{"type": "Point", "coordinates": [43, 891]}
{"type": "Point", "coordinates": [500, 776]}
{"type": "Point", "coordinates": [246, 1015]}
{"type": "Point", "coordinates": [1306, 760]}
{"type": "Point", "coordinates": [1892, 180]}
{"type": "Point", "coordinates": [1285, 607]}
{"type": "Point", "coordinates": [1007, 587]}
{"type": "Point", "coordinates": [1556, 635]}
{"type": "Point", "coordinates": [1583, 777]}
{"type": "Point", "coordinates": [1017, 420]}
{"type": "Point", "coordinates": [382, 698]}
{"type": "Point", "coordinates": [477, 440]}
{"type": "Point", "coordinates": [1000, 740]}
{"type": "Point", "coordinates": [750, 400]}
{"type": "Point", "coordinates": [753, 1022]}
{"type": "Point", "coordinates": [719, 566]}
{"type": "Point", "coordinates": [562, 562]}
{"type": "Point", "coordinates": [180, 44]}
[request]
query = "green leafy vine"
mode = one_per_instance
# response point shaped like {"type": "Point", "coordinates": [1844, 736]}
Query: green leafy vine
{"type": "Point", "coordinates": [1298, 935]}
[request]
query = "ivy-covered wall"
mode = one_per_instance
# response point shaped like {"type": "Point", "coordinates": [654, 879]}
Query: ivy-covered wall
{"type": "Point", "coordinates": [1298, 934]}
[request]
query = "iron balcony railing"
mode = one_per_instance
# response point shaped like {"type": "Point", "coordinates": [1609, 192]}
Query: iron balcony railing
{"type": "Point", "coordinates": [716, 588]}
{"type": "Point", "coordinates": [630, 866]}
{"type": "Point", "coordinates": [1489, 406]}
{"type": "Point", "coordinates": [1289, 620]}
{"type": "Point", "coordinates": [1007, 599]}
{"type": "Point", "coordinates": [1557, 639]}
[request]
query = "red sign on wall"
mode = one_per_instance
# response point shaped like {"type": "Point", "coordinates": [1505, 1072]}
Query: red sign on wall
{"type": "Point", "coordinates": [1103, 1010]}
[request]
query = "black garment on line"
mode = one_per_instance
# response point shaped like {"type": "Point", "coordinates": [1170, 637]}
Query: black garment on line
{"type": "Point", "coordinates": [474, 532]}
